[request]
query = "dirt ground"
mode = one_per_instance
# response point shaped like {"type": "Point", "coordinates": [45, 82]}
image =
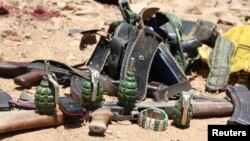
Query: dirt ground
{"type": "Point", "coordinates": [25, 38]}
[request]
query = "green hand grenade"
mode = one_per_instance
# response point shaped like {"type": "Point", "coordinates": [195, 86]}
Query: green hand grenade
{"type": "Point", "coordinates": [92, 91]}
{"type": "Point", "coordinates": [46, 94]}
{"type": "Point", "coordinates": [182, 112]}
{"type": "Point", "coordinates": [128, 88]}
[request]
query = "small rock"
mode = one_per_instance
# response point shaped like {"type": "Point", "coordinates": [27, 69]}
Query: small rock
{"type": "Point", "coordinates": [4, 9]}
{"type": "Point", "coordinates": [18, 44]}
{"type": "Point", "coordinates": [71, 57]}
{"type": "Point", "coordinates": [61, 5]}
{"type": "Point", "coordinates": [7, 33]}
{"type": "Point", "coordinates": [29, 43]}
{"type": "Point", "coordinates": [15, 27]}
{"type": "Point", "coordinates": [16, 38]}
{"type": "Point", "coordinates": [24, 55]}
{"type": "Point", "coordinates": [83, 12]}
{"type": "Point", "coordinates": [27, 36]}
{"type": "Point", "coordinates": [45, 37]}
{"type": "Point", "coordinates": [68, 8]}
{"type": "Point", "coordinates": [229, 1]}
{"type": "Point", "coordinates": [118, 134]}
{"type": "Point", "coordinates": [109, 132]}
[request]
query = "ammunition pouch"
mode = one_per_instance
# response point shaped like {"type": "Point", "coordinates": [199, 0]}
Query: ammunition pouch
{"type": "Point", "coordinates": [220, 61]}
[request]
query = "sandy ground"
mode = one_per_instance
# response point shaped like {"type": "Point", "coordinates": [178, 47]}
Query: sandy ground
{"type": "Point", "coordinates": [24, 38]}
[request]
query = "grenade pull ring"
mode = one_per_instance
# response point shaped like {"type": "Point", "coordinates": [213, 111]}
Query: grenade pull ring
{"type": "Point", "coordinates": [131, 68]}
{"type": "Point", "coordinates": [51, 78]}
{"type": "Point", "coordinates": [186, 102]}
{"type": "Point", "coordinates": [95, 75]}
{"type": "Point", "coordinates": [47, 65]}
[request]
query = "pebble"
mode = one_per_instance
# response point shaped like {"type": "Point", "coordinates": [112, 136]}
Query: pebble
{"type": "Point", "coordinates": [27, 36]}
{"type": "Point", "coordinates": [71, 57]}
{"type": "Point", "coordinates": [45, 37]}
{"type": "Point", "coordinates": [16, 38]}
{"type": "Point", "coordinates": [109, 132]}
{"type": "Point", "coordinates": [7, 33]}
{"type": "Point", "coordinates": [29, 43]}
{"type": "Point", "coordinates": [61, 5]}
{"type": "Point", "coordinates": [24, 55]}
{"type": "Point", "coordinates": [229, 1]}
{"type": "Point", "coordinates": [18, 44]}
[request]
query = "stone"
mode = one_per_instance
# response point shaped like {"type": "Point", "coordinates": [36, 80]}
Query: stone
{"type": "Point", "coordinates": [71, 57]}
{"type": "Point", "coordinates": [229, 1]}
{"type": "Point", "coordinates": [61, 4]}
{"type": "Point", "coordinates": [45, 37]}
{"type": "Point", "coordinates": [27, 36]}
{"type": "Point", "coordinates": [29, 43]}
{"type": "Point", "coordinates": [18, 43]}
{"type": "Point", "coordinates": [16, 38]}
{"type": "Point", "coordinates": [7, 33]}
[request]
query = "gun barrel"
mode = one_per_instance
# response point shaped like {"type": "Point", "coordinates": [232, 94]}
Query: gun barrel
{"type": "Point", "coordinates": [12, 69]}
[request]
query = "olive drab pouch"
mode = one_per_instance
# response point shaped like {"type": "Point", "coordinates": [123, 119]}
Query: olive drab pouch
{"type": "Point", "coordinates": [220, 63]}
